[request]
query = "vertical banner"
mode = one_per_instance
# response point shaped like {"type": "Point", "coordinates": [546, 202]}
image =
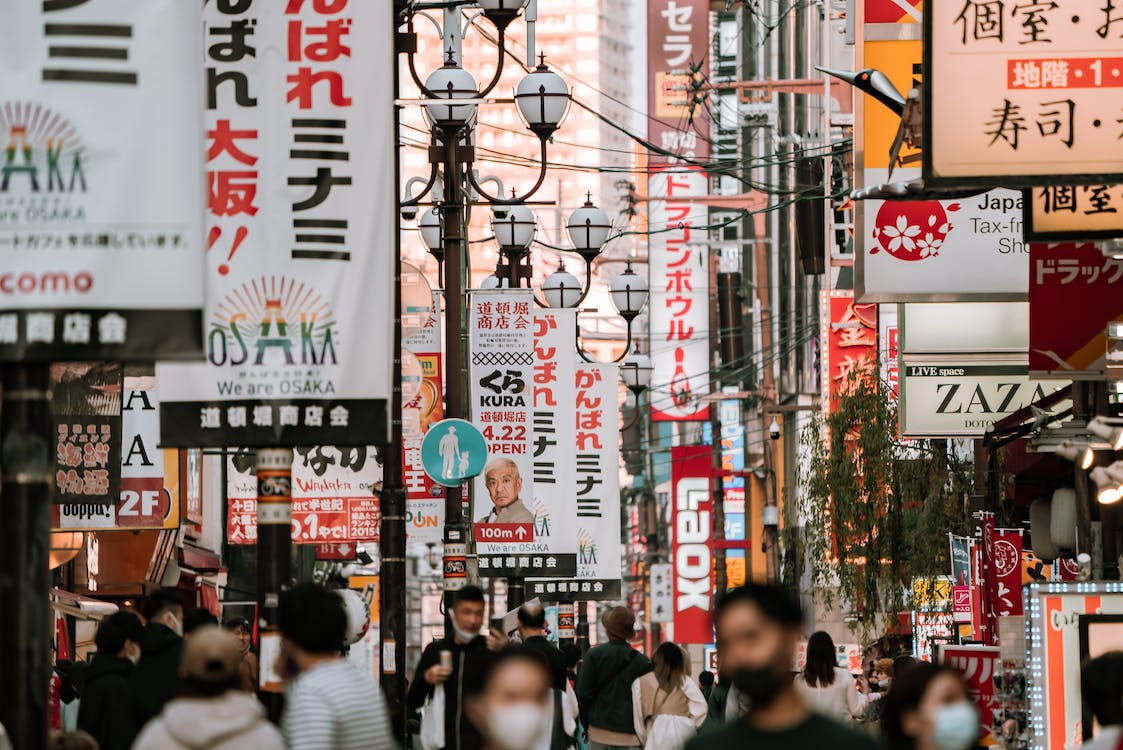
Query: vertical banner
{"type": "Point", "coordinates": [425, 506]}
{"type": "Point", "coordinates": [850, 333]}
{"type": "Point", "coordinates": [86, 409]}
{"type": "Point", "coordinates": [662, 592]}
{"type": "Point", "coordinates": [1007, 561]}
{"type": "Point", "coordinates": [597, 471]}
{"type": "Point", "coordinates": [149, 497]}
{"type": "Point", "coordinates": [300, 233]}
{"type": "Point", "coordinates": [989, 581]}
{"type": "Point", "coordinates": [241, 499]}
{"type": "Point", "coordinates": [101, 190]}
{"type": "Point", "coordinates": [692, 543]}
{"type": "Point", "coordinates": [678, 38]}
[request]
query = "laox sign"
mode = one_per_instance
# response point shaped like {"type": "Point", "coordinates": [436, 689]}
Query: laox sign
{"type": "Point", "coordinates": [692, 554]}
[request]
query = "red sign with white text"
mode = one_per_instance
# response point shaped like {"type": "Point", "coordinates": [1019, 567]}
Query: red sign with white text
{"type": "Point", "coordinates": [692, 543]}
{"type": "Point", "coordinates": [1007, 563]}
{"type": "Point", "coordinates": [977, 664]}
{"type": "Point", "coordinates": [851, 336]}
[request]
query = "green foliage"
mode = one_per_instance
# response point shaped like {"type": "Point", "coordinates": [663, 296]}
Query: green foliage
{"type": "Point", "coordinates": [876, 509]}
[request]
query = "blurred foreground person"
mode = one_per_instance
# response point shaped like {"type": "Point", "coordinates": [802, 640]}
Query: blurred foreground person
{"type": "Point", "coordinates": [247, 670]}
{"type": "Point", "coordinates": [197, 618]}
{"type": "Point", "coordinates": [106, 707]}
{"type": "Point", "coordinates": [513, 708]}
{"type": "Point", "coordinates": [604, 684]}
{"type": "Point", "coordinates": [758, 631]}
{"type": "Point", "coordinates": [928, 709]}
{"type": "Point", "coordinates": [212, 712]}
{"type": "Point", "coordinates": [706, 683]}
{"type": "Point", "coordinates": [329, 702]}
{"type": "Point", "coordinates": [76, 740]}
{"type": "Point", "coordinates": [155, 681]}
{"type": "Point", "coordinates": [826, 687]}
{"type": "Point", "coordinates": [667, 707]}
{"type": "Point", "coordinates": [1101, 683]}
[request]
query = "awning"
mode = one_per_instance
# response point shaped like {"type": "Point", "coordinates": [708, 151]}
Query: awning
{"type": "Point", "coordinates": [82, 607]}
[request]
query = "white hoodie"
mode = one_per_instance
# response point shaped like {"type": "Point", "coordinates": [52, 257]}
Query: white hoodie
{"type": "Point", "coordinates": [232, 720]}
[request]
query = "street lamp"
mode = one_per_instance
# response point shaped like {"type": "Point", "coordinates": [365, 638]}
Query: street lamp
{"type": "Point", "coordinates": [444, 86]}
{"type": "Point", "coordinates": [562, 289]}
{"type": "Point", "coordinates": [543, 99]}
{"type": "Point", "coordinates": [629, 294]}
{"type": "Point", "coordinates": [636, 373]}
{"type": "Point", "coordinates": [588, 229]}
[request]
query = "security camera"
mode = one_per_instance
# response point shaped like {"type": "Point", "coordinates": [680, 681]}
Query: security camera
{"type": "Point", "coordinates": [774, 429]}
{"type": "Point", "coordinates": [409, 213]}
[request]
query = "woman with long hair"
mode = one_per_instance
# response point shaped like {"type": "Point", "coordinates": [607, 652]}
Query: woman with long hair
{"type": "Point", "coordinates": [828, 688]}
{"type": "Point", "coordinates": [928, 709]}
{"type": "Point", "coordinates": [667, 706]}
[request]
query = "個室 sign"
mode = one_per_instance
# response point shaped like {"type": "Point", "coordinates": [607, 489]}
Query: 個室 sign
{"type": "Point", "coordinates": [1074, 212]}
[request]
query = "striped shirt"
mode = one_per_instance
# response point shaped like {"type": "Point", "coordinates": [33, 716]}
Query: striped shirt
{"type": "Point", "coordinates": [336, 706]}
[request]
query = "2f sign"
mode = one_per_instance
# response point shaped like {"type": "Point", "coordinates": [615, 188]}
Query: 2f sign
{"type": "Point", "coordinates": [692, 559]}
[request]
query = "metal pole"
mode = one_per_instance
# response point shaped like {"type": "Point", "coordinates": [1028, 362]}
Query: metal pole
{"type": "Point", "coordinates": [25, 426]}
{"type": "Point", "coordinates": [717, 485]}
{"type": "Point", "coordinates": [274, 549]}
{"type": "Point", "coordinates": [392, 541]}
{"type": "Point", "coordinates": [516, 585]}
{"type": "Point", "coordinates": [583, 626]}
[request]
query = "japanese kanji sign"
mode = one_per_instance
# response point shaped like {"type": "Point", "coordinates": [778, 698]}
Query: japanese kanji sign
{"type": "Point", "coordinates": [1074, 212]}
{"type": "Point", "coordinates": [300, 230]}
{"type": "Point", "coordinates": [597, 493]}
{"type": "Point", "coordinates": [1074, 292]}
{"type": "Point", "coordinates": [149, 496]}
{"type": "Point", "coordinates": [850, 335]}
{"type": "Point", "coordinates": [101, 190]}
{"type": "Point", "coordinates": [677, 39]}
{"type": "Point", "coordinates": [424, 497]}
{"type": "Point", "coordinates": [86, 410]}
{"type": "Point", "coordinates": [1023, 92]}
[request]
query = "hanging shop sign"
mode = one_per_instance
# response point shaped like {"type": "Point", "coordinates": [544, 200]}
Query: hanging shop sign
{"type": "Point", "coordinates": [942, 399]}
{"type": "Point", "coordinates": [917, 251]}
{"type": "Point", "coordinates": [86, 410]}
{"type": "Point", "coordinates": [1081, 280]}
{"type": "Point", "coordinates": [1006, 559]}
{"type": "Point", "coordinates": [101, 194]}
{"type": "Point", "coordinates": [1022, 95]}
{"type": "Point", "coordinates": [424, 498]}
{"type": "Point", "coordinates": [692, 543]}
{"type": "Point", "coordinates": [678, 268]}
{"type": "Point", "coordinates": [149, 476]}
{"type": "Point", "coordinates": [662, 586]}
{"type": "Point", "coordinates": [300, 231]}
{"type": "Point", "coordinates": [964, 327]}
{"type": "Point", "coordinates": [597, 491]}
{"type": "Point", "coordinates": [1074, 212]}
{"type": "Point", "coordinates": [850, 332]}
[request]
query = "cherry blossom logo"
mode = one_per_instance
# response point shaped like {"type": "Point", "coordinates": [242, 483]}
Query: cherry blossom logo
{"type": "Point", "coordinates": [912, 230]}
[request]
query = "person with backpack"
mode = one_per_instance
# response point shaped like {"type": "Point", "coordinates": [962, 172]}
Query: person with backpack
{"type": "Point", "coordinates": [667, 707]}
{"type": "Point", "coordinates": [604, 684]}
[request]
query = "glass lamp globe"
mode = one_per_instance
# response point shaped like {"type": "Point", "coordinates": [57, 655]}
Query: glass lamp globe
{"type": "Point", "coordinates": [588, 229]}
{"type": "Point", "coordinates": [562, 289]}
{"type": "Point", "coordinates": [628, 293]}
{"type": "Point", "coordinates": [543, 99]}
{"type": "Point", "coordinates": [430, 226]}
{"type": "Point", "coordinates": [635, 371]}
{"type": "Point", "coordinates": [493, 282]}
{"type": "Point", "coordinates": [516, 228]}
{"type": "Point", "coordinates": [448, 83]}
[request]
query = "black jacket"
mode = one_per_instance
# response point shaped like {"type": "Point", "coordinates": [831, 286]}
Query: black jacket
{"type": "Point", "coordinates": [106, 710]}
{"type": "Point", "coordinates": [604, 686]}
{"type": "Point", "coordinates": [155, 680]}
{"type": "Point", "coordinates": [553, 656]}
{"type": "Point", "coordinates": [469, 664]}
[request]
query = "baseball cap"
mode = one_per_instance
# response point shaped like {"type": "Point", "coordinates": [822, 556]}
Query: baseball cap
{"type": "Point", "coordinates": [210, 654]}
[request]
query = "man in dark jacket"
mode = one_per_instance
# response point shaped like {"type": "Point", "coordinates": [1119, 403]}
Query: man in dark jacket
{"type": "Point", "coordinates": [532, 631]}
{"type": "Point", "coordinates": [604, 684]}
{"type": "Point", "coordinates": [106, 709]}
{"type": "Point", "coordinates": [155, 680]}
{"type": "Point", "coordinates": [469, 654]}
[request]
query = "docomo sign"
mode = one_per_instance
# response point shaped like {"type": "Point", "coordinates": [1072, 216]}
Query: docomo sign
{"type": "Point", "coordinates": [45, 283]}
{"type": "Point", "coordinates": [692, 554]}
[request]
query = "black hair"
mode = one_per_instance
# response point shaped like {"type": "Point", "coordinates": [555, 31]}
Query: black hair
{"type": "Point", "coordinates": [775, 602]}
{"type": "Point", "coordinates": [904, 697]}
{"type": "Point", "coordinates": [238, 623]}
{"type": "Point", "coordinates": [821, 660]}
{"type": "Point", "coordinates": [468, 593]}
{"type": "Point", "coordinates": [572, 655]}
{"type": "Point", "coordinates": [706, 678]}
{"type": "Point", "coordinates": [668, 664]}
{"type": "Point", "coordinates": [313, 618]}
{"type": "Point", "coordinates": [115, 630]}
{"type": "Point", "coordinates": [532, 616]}
{"type": "Point", "coordinates": [197, 618]}
{"type": "Point", "coordinates": [161, 601]}
{"type": "Point", "coordinates": [512, 654]}
{"type": "Point", "coordinates": [903, 663]}
{"type": "Point", "coordinates": [1101, 685]}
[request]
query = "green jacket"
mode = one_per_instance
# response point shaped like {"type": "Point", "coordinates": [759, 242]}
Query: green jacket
{"type": "Point", "coordinates": [604, 686]}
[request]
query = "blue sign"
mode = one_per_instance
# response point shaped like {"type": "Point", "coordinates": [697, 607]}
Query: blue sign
{"type": "Point", "coordinates": [453, 451]}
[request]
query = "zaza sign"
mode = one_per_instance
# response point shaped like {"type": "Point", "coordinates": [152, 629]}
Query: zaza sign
{"type": "Point", "coordinates": [941, 399]}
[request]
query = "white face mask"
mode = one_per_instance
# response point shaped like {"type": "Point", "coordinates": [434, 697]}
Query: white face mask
{"type": "Point", "coordinates": [175, 624]}
{"type": "Point", "coordinates": [463, 636]}
{"type": "Point", "coordinates": [956, 726]}
{"type": "Point", "coordinates": [518, 726]}
{"type": "Point", "coordinates": [134, 654]}
{"type": "Point", "coordinates": [883, 684]}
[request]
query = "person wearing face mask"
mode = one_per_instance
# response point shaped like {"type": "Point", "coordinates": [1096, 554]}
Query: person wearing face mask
{"type": "Point", "coordinates": [512, 708]}
{"type": "Point", "coordinates": [155, 681]}
{"type": "Point", "coordinates": [1101, 686]}
{"type": "Point", "coordinates": [758, 630]}
{"type": "Point", "coordinates": [604, 684]}
{"type": "Point", "coordinates": [458, 663]}
{"type": "Point", "coordinates": [928, 709]}
{"type": "Point", "coordinates": [825, 686]}
{"type": "Point", "coordinates": [106, 710]}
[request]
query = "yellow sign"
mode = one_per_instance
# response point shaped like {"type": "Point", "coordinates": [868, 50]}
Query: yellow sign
{"type": "Point", "coordinates": [931, 593]}
{"type": "Point", "coordinates": [1075, 212]}
{"type": "Point", "coordinates": [900, 61]}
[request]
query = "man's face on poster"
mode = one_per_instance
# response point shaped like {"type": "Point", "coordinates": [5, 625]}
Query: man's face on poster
{"type": "Point", "coordinates": [504, 485]}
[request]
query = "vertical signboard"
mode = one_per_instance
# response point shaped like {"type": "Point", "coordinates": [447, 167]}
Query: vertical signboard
{"type": "Point", "coordinates": [86, 408]}
{"type": "Point", "coordinates": [1007, 562]}
{"type": "Point", "coordinates": [692, 543]}
{"type": "Point", "coordinates": [677, 38]}
{"type": "Point", "coordinates": [101, 193]}
{"type": "Point", "coordinates": [978, 665]}
{"type": "Point", "coordinates": [424, 497]}
{"type": "Point", "coordinates": [597, 471]}
{"type": "Point", "coordinates": [850, 332]}
{"type": "Point", "coordinates": [1070, 277]}
{"type": "Point", "coordinates": [1020, 93]}
{"type": "Point", "coordinates": [662, 592]}
{"type": "Point", "coordinates": [299, 140]}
